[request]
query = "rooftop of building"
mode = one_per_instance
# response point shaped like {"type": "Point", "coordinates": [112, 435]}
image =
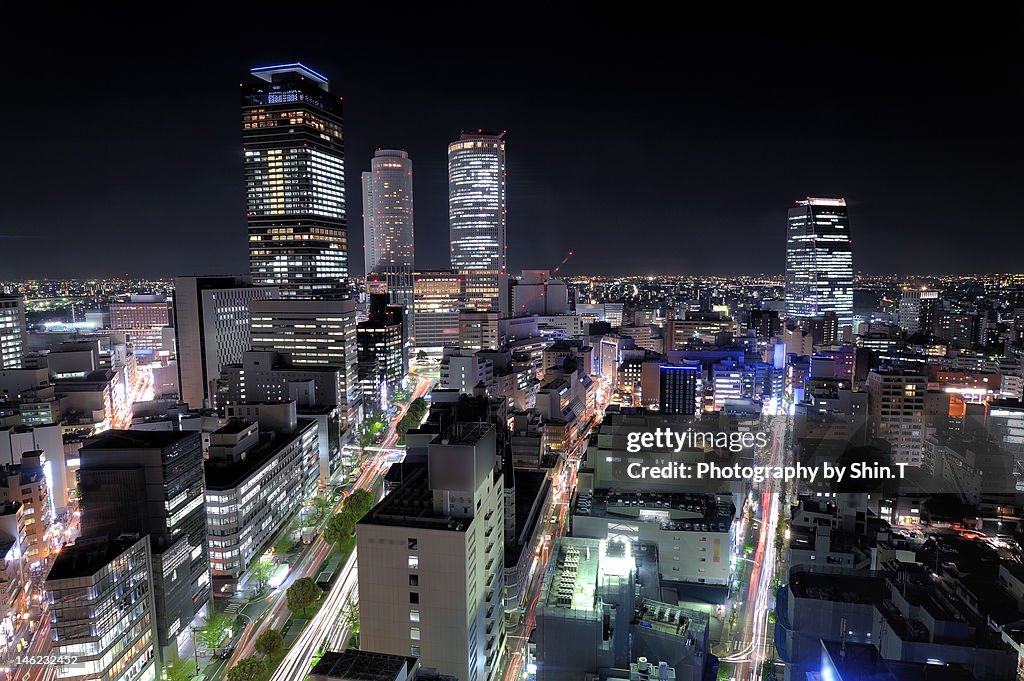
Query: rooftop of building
{"type": "Point", "coordinates": [670, 619]}
{"type": "Point", "coordinates": [841, 586]}
{"type": "Point", "coordinates": [857, 662]}
{"type": "Point", "coordinates": [677, 511]}
{"type": "Point", "coordinates": [222, 476]}
{"type": "Point", "coordinates": [362, 665]}
{"type": "Point", "coordinates": [88, 555]}
{"type": "Point", "coordinates": [412, 505]}
{"type": "Point", "coordinates": [137, 439]}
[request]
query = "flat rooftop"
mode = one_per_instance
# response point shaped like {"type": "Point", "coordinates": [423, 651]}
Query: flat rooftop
{"type": "Point", "coordinates": [412, 505]}
{"type": "Point", "coordinates": [137, 439]}
{"type": "Point", "coordinates": [88, 555]}
{"type": "Point", "coordinates": [221, 477]}
{"type": "Point", "coordinates": [671, 619]}
{"type": "Point", "coordinates": [362, 665]}
{"type": "Point", "coordinates": [676, 511]}
{"type": "Point", "coordinates": [838, 586]}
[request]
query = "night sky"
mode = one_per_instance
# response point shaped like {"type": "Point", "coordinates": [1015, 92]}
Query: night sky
{"type": "Point", "coordinates": [642, 147]}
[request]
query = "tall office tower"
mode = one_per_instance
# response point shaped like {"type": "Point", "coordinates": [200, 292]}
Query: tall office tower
{"type": "Point", "coordinates": [102, 612]}
{"type": "Point", "coordinates": [13, 339]}
{"type": "Point", "coordinates": [387, 212]}
{"type": "Point", "coordinates": [312, 333]}
{"type": "Point", "coordinates": [896, 400]}
{"type": "Point", "coordinates": [211, 319]}
{"type": "Point", "coordinates": [151, 482]}
{"type": "Point", "coordinates": [477, 215]}
{"type": "Point", "coordinates": [438, 296]}
{"type": "Point", "coordinates": [819, 260]}
{"type": "Point", "coordinates": [917, 309]}
{"type": "Point", "coordinates": [432, 548]}
{"type": "Point", "coordinates": [383, 363]}
{"type": "Point", "coordinates": [295, 182]}
{"type": "Point", "coordinates": [678, 388]}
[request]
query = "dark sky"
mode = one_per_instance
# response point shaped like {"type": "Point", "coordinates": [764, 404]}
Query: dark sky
{"type": "Point", "coordinates": [643, 147]}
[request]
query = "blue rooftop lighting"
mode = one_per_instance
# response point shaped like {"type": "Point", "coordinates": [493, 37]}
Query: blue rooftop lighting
{"type": "Point", "coordinates": [267, 73]}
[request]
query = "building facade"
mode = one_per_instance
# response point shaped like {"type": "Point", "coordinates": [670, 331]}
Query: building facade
{"type": "Point", "coordinates": [102, 611]}
{"type": "Point", "coordinates": [294, 150]}
{"type": "Point", "coordinates": [151, 483]}
{"type": "Point", "coordinates": [388, 213]}
{"type": "Point", "coordinates": [819, 260]}
{"type": "Point", "coordinates": [431, 560]}
{"type": "Point", "coordinates": [477, 214]}
{"type": "Point", "coordinates": [12, 332]}
{"type": "Point", "coordinates": [211, 320]}
{"type": "Point", "coordinates": [312, 333]}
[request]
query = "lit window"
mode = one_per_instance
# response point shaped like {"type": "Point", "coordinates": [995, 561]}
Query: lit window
{"type": "Point", "coordinates": [414, 633]}
{"type": "Point", "coordinates": [414, 615]}
{"type": "Point", "coordinates": [414, 562]}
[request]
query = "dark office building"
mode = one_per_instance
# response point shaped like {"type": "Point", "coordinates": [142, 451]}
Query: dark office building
{"type": "Point", "coordinates": [824, 329]}
{"type": "Point", "coordinates": [764, 323]}
{"type": "Point", "coordinates": [151, 482]}
{"type": "Point", "coordinates": [383, 356]}
{"type": "Point", "coordinates": [678, 389]}
{"type": "Point", "coordinates": [295, 182]}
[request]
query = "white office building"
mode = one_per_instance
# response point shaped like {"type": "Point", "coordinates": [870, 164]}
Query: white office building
{"type": "Point", "coordinates": [431, 565]}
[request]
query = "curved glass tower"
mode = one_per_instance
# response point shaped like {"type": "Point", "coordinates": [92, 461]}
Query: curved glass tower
{"type": "Point", "coordinates": [477, 214]}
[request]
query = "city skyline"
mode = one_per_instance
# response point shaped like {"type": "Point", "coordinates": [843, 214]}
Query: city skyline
{"type": "Point", "coordinates": [920, 140]}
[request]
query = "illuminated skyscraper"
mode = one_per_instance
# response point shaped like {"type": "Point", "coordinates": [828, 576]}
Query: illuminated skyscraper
{"type": "Point", "coordinates": [12, 332]}
{"type": "Point", "coordinates": [477, 215]}
{"type": "Point", "coordinates": [295, 182]}
{"type": "Point", "coordinates": [387, 212]}
{"type": "Point", "coordinates": [819, 260]}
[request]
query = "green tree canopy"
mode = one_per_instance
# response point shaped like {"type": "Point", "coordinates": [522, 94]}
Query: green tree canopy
{"type": "Point", "coordinates": [302, 594]}
{"type": "Point", "coordinates": [214, 629]}
{"type": "Point", "coordinates": [179, 669]}
{"type": "Point", "coordinates": [338, 527]}
{"type": "Point", "coordinates": [249, 669]}
{"type": "Point", "coordinates": [269, 643]}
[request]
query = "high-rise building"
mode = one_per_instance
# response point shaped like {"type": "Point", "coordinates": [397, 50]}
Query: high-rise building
{"type": "Point", "coordinates": [432, 548]}
{"type": "Point", "coordinates": [387, 212]}
{"type": "Point", "coordinates": [896, 400]}
{"type": "Point", "coordinates": [12, 332]}
{"type": "Point", "coordinates": [477, 214]}
{"type": "Point", "coordinates": [295, 182]}
{"type": "Point", "coordinates": [819, 260]}
{"type": "Point", "coordinates": [678, 388]}
{"type": "Point", "coordinates": [25, 483]}
{"type": "Point", "coordinates": [311, 333]}
{"type": "Point", "coordinates": [383, 362]}
{"type": "Point", "coordinates": [252, 478]}
{"type": "Point", "coordinates": [478, 330]}
{"type": "Point", "coordinates": [917, 306]}
{"type": "Point", "coordinates": [211, 319]}
{"type": "Point", "coordinates": [151, 482]}
{"type": "Point", "coordinates": [142, 320]}
{"type": "Point", "coordinates": [102, 610]}
{"type": "Point", "coordinates": [438, 296]}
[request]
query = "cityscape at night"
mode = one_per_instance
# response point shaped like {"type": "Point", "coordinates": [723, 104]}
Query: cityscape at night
{"type": "Point", "coordinates": [714, 370]}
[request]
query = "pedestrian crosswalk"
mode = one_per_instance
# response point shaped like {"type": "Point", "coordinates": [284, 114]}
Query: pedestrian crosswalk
{"type": "Point", "coordinates": [234, 607]}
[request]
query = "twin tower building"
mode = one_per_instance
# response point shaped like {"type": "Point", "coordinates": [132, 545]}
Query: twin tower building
{"type": "Point", "coordinates": [294, 147]}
